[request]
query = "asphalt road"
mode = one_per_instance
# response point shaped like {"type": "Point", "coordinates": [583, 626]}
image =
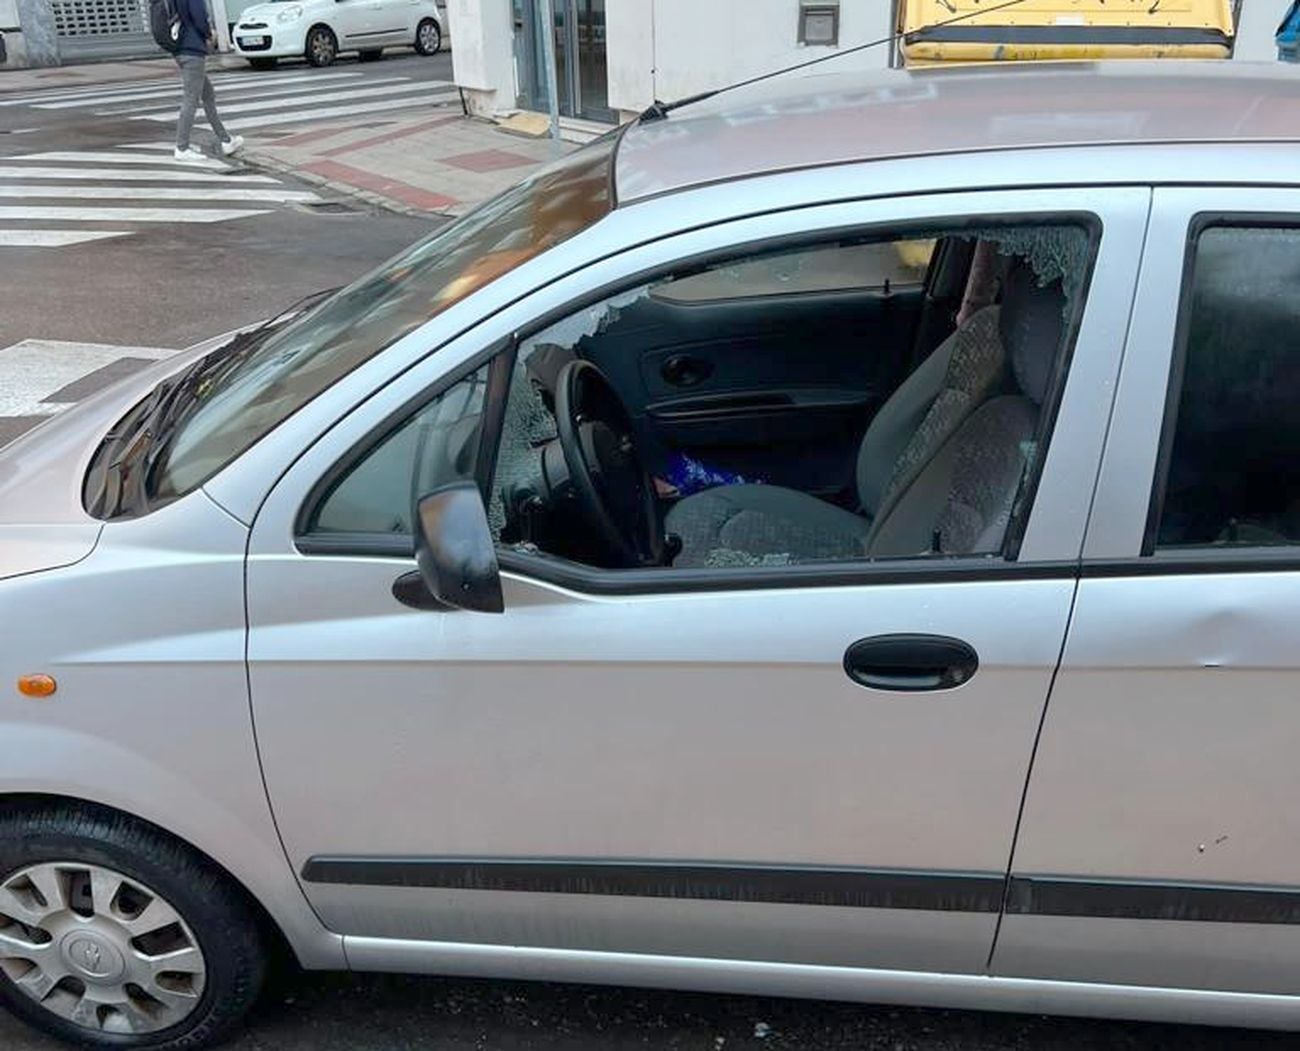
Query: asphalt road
{"type": "Point", "coordinates": [168, 286]}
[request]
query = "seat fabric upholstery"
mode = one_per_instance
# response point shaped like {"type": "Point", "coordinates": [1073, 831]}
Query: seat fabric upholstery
{"type": "Point", "coordinates": [757, 524]}
{"type": "Point", "coordinates": [961, 499]}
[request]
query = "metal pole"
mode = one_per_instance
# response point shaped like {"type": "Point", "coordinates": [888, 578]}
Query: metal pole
{"type": "Point", "coordinates": [547, 8]}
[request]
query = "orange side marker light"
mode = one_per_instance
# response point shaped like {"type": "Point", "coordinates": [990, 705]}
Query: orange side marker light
{"type": "Point", "coordinates": [37, 686]}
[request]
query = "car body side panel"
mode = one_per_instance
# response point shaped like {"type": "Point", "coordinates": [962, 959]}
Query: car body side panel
{"type": "Point", "coordinates": [31, 549]}
{"type": "Point", "coordinates": [145, 639]}
{"type": "Point", "coordinates": [870, 985]}
{"type": "Point", "coordinates": [1167, 765]}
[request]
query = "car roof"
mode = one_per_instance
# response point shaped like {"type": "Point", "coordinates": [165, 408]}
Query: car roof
{"type": "Point", "coordinates": [808, 121]}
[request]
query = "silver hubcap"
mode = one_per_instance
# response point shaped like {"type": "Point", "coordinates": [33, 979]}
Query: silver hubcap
{"type": "Point", "coordinates": [320, 46]}
{"type": "Point", "coordinates": [98, 949]}
{"type": "Point", "coordinates": [428, 37]}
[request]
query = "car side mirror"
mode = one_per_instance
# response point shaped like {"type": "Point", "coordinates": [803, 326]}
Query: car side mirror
{"type": "Point", "coordinates": [454, 549]}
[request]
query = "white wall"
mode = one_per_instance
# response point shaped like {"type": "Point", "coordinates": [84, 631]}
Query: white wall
{"type": "Point", "coordinates": [668, 49]}
{"type": "Point", "coordinates": [1259, 20]}
{"type": "Point", "coordinates": [483, 60]}
{"type": "Point", "coordinates": [629, 50]}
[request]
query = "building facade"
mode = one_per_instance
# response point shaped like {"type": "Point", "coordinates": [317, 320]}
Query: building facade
{"type": "Point", "coordinates": [615, 57]}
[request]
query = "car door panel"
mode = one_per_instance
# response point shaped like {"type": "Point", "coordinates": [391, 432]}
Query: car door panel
{"type": "Point", "coordinates": [391, 18]}
{"type": "Point", "coordinates": [354, 21]}
{"type": "Point", "coordinates": [681, 772]}
{"type": "Point", "coordinates": [1158, 839]}
{"type": "Point", "coordinates": [579, 729]}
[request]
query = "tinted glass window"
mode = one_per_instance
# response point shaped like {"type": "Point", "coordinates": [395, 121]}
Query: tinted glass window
{"type": "Point", "coordinates": [436, 445]}
{"type": "Point", "coordinates": [1233, 474]}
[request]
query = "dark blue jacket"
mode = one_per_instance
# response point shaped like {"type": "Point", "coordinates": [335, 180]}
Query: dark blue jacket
{"type": "Point", "coordinates": [195, 27]}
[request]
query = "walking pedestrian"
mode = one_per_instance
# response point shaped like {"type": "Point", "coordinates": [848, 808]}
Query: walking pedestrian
{"type": "Point", "coordinates": [196, 40]}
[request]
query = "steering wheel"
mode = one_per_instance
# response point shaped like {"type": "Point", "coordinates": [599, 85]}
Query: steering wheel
{"type": "Point", "coordinates": [614, 490]}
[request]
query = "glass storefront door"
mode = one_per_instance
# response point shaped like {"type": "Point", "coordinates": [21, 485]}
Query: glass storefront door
{"type": "Point", "coordinates": [581, 68]}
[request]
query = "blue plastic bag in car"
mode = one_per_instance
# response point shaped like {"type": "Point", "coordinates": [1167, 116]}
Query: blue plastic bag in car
{"type": "Point", "coordinates": [690, 476]}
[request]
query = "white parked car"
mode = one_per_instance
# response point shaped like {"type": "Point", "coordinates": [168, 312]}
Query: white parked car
{"type": "Point", "coordinates": [319, 30]}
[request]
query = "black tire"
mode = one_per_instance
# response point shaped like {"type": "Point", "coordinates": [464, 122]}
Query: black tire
{"type": "Point", "coordinates": [215, 910]}
{"type": "Point", "coordinates": [263, 63]}
{"type": "Point", "coordinates": [373, 54]}
{"type": "Point", "coordinates": [428, 37]}
{"type": "Point", "coordinates": [322, 46]}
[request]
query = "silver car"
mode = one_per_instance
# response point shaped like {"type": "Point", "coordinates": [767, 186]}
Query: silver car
{"type": "Point", "coordinates": [839, 539]}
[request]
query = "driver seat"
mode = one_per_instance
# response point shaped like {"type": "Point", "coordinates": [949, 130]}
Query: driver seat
{"type": "Point", "coordinates": [919, 460]}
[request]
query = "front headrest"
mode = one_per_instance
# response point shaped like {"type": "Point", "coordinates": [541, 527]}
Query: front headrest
{"type": "Point", "coordinates": [1032, 323]}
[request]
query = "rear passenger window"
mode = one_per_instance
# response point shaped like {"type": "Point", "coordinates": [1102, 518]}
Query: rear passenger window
{"type": "Point", "coordinates": [1233, 437]}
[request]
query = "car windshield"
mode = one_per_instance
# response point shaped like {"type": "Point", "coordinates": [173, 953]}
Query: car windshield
{"type": "Point", "coordinates": [278, 376]}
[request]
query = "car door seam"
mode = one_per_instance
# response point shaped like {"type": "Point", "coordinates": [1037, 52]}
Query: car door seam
{"type": "Point", "coordinates": [1029, 772]}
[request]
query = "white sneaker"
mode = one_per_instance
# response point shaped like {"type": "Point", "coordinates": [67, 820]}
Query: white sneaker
{"type": "Point", "coordinates": [189, 155]}
{"type": "Point", "coordinates": [232, 145]}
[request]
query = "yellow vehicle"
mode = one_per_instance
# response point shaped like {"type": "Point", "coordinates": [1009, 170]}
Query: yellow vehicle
{"type": "Point", "coordinates": [1064, 29]}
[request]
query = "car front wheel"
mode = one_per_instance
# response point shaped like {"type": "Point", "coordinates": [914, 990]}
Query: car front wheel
{"type": "Point", "coordinates": [114, 935]}
{"type": "Point", "coordinates": [428, 37]}
{"type": "Point", "coordinates": [322, 47]}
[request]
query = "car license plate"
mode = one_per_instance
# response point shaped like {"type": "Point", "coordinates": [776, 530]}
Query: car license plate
{"type": "Point", "coordinates": [255, 41]}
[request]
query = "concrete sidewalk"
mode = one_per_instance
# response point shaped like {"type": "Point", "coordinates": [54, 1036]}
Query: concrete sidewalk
{"type": "Point", "coordinates": [436, 161]}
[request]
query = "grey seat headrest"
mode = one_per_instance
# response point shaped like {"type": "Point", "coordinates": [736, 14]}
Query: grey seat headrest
{"type": "Point", "coordinates": [1032, 323]}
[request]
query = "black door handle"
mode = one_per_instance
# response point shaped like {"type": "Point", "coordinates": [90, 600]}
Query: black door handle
{"type": "Point", "coordinates": [910, 662]}
{"type": "Point", "coordinates": [685, 370]}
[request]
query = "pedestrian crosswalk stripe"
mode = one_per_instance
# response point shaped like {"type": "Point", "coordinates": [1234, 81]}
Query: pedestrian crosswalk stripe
{"type": "Point", "coordinates": [127, 215]}
{"type": "Point", "coordinates": [31, 98]}
{"type": "Point", "coordinates": [209, 163]}
{"type": "Point", "coordinates": [296, 101]}
{"type": "Point", "coordinates": [54, 238]}
{"type": "Point", "coordinates": [174, 91]}
{"type": "Point", "coordinates": [153, 106]}
{"type": "Point", "coordinates": [271, 119]}
{"type": "Point", "coordinates": [36, 370]}
{"type": "Point", "coordinates": [244, 76]}
{"type": "Point", "coordinates": [125, 86]}
{"type": "Point", "coordinates": [177, 174]}
{"type": "Point", "coordinates": [158, 193]}
{"type": "Point", "coordinates": [255, 101]}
